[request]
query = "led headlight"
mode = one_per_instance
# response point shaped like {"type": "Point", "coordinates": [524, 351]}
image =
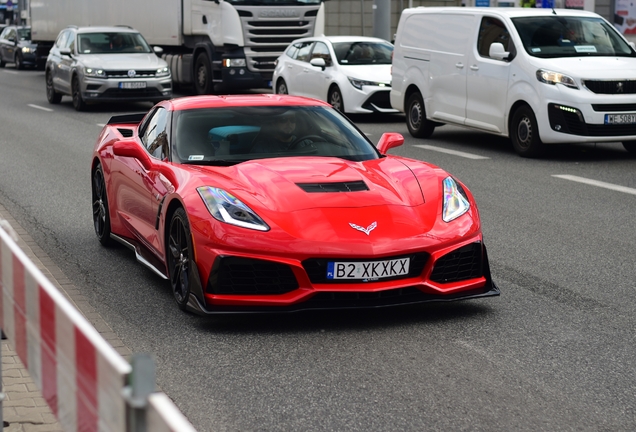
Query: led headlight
{"type": "Point", "coordinates": [161, 72]}
{"type": "Point", "coordinates": [227, 208]}
{"type": "Point", "coordinates": [94, 72]}
{"type": "Point", "coordinates": [234, 62]}
{"type": "Point", "coordinates": [455, 200]}
{"type": "Point", "coordinates": [549, 77]}
{"type": "Point", "coordinates": [27, 50]}
{"type": "Point", "coordinates": [358, 83]}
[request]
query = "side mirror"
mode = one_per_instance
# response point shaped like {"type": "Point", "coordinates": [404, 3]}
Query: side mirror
{"type": "Point", "coordinates": [134, 150]}
{"type": "Point", "coordinates": [65, 52]}
{"type": "Point", "coordinates": [497, 51]}
{"type": "Point", "coordinates": [318, 62]}
{"type": "Point", "coordinates": [389, 140]}
{"type": "Point", "coordinates": [158, 50]}
{"type": "Point", "coordinates": [11, 39]}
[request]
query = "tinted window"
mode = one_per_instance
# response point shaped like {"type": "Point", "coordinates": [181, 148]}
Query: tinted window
{"type": "Point", "coordinates": [492, 30]}
{"type": "Point", "coordinates": [321, 51]}
{"type": "Point", "coordinates": [24, 34]}
{"type": "Point", "coordinates": [363, 53]}
{"type": "Point", "coordinates": [303, 51]}
{"type": "Point", "coordinates": [155, 135]}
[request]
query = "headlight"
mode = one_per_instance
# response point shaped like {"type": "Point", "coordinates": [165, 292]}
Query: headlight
{"type": "Point", "coordinates": [27, 50]}
{"type": "Point", "coordinates": [549, 77]}
{"type": "Point", "coordinates": [234, 62]}
{"type": "Point", "coordinates": [227, 208]}
{"type": "Point", "coordinates": [94, 72]}
{"type": "Point", "coordinates": [455, 200]}
{"type": "Point", "coordinates": [161, 72]}
{"type": "Point", "coordinates": [357, 83]}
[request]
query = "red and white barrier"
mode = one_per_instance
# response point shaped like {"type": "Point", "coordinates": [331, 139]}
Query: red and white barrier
{"type": "Point", "coordinates": [80, 375]}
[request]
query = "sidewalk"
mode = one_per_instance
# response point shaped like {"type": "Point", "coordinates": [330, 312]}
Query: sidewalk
{"type": "Point", "coordinates": [24, 408]}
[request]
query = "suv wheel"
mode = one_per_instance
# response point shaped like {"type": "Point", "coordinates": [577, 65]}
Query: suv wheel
{"type": "Point", "coordinates": [78, 102]}
{"type": "Point", "coordinates": [52, 96]}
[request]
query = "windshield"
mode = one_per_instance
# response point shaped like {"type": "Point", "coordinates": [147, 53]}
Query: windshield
{"type": "Point", "coordinates": [24, 34]}
{"type": "Point", "coordinates": [273, 2]}
{"type": "Point", "coordinates": [112, 43]}
{"type": "Point", "coordinates": [567, 36]}
{"type": "Point", "coordinates": [226, 136]}
{"type": "Point", "coordinates": [363, 53]}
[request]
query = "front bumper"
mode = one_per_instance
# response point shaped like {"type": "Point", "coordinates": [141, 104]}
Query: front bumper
{"type": "Point", "coordinates": [109, 89]}
{"type": "Point", "coordinates": [370, 99]}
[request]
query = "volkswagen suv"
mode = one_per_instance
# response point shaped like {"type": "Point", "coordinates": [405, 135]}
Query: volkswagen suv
{"type": "Point", "coordinates": [105, 64]}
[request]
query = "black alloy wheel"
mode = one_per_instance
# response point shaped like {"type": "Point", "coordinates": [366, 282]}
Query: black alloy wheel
{"type": "Point", "coordinates": [203, 75]}
{"type": "Point", "coordinates": [417, 123]}
{"type": "Point", "coordinates": [101, 217]}
{"type": "Point", "coordinates": [78, 101]}
{"type": "Point", "coordinates": [19, 61]}
{"type": "Point", "coordinates": [335, 99]}
{"type": "Point", "coordinates": [52, 96]}
{"type": "Point", "coordinates": [524, 133]}
{"type": "Point", "coordinates": [181, 266]}
{"type": "Point", "coordinates": [281, 87]}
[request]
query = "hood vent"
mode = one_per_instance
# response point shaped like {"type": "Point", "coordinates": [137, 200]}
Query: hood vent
{"type": "Point", "coordinates": [352, 186]}
{"type": "Point", "coordinates": [127, 133]}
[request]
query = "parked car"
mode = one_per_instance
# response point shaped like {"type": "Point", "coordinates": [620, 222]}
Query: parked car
{"type": "Point", "coordinates": [16, 47]}
{"type": "Point", "coordinates": [538, 76]}
{"type": "Point", "coordinates": [352, 73]}
{"type": "Point", "coordinates": [105, 64]}
{"type": "Point", "coordinates": [254, 203]}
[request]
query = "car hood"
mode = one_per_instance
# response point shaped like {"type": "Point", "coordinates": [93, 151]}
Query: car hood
{"type": "Point", "coordinates": [122, 61]}
{"type": "Point", "coordinates": [378, 73]}
{"type": "Point", "coordinates": [592, 67]}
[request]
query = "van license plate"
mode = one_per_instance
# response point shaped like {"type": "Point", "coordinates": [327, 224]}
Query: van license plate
{"type": "Point", "coordinates": [132, 85]}
{"type": "Point", "coordinates": [368, 269]}
{"type": "Point", "coordinates": [620, 119]}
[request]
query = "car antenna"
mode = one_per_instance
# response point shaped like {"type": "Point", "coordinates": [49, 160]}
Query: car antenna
{"type": "Point", "coordinates": [553, 11]}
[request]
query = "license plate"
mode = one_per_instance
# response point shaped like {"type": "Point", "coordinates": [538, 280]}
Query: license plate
{"type": "Point", "coordinates": [620, 118]}
{"type": "Point", "coordinates": [369, 270]}
{"type": "Point", "coordinates": [132, 85]}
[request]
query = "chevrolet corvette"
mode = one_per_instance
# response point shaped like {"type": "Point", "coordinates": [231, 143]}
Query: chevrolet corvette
{"type": "Point", "coordinates": [276, 203]}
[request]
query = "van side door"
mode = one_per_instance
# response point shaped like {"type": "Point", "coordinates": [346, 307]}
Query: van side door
{"type": "Point", "coordinates": [487, 78]}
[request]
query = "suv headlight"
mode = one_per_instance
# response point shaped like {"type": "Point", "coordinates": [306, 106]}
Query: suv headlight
{"type": "Point", "coordinates": [94, 72]}
{"type": "Point", "coordinates": [162, 72]}
{"type": "Point", "coordinates": [225, 207]}
{"type": "Point", "coordinates": [358, 83]}
{"type": "Point", "coordinates": [455, 200]}
{"type": "Point", "coordinates": [549, 77]}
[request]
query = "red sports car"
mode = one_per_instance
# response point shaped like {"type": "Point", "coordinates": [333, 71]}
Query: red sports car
{"type": "Point", "coordinates": [273, 203]}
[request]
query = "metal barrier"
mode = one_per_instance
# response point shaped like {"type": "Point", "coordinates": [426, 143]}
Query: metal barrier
{"type": "Point", "coordinates": [85, 382]}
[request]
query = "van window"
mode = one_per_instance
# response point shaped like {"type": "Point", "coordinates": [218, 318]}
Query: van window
{"type": "Point", "coordinates": [569, 36]}
{"type": "Point", "coordinates": [492, 30]}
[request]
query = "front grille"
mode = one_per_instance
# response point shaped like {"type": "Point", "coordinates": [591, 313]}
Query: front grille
{"type": "Point", "coordinates": [574, 123]}
{"type": "Point", "coordinates": [234, 275]}
{"type": "Point", "coordinates": [123, 74]}
{"type": "Point", "coordinates": [380, 99]}
{"type": "Point", "coordinates": [316, 268]}
{"type": "Point", "coordinates": [126, 133]}
{"type": "Point", "coordinates": [611, 87]}
{"type": "Point", "coordinates": [461, 264]}
{"type": "Point", "coordinates": [613, 107]}
{"type": "Point", "coordinates": [352, 186]}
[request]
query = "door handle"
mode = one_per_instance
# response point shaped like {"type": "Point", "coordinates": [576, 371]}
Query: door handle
{"type": "Point", "coordinates": [474, 68]}
{"type": "Point", "coordinates": [459, 65]}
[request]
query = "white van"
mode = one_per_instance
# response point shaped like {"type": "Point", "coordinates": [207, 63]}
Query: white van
{"type": "Point", "coordinates": [538, 76]}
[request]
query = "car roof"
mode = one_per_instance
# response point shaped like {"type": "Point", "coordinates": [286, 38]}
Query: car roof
{"type": "Point", "coordinates": [228, 101]}
{"type": "Point", "coordinates": [502, 11]}
{"type": "Point", "coordinates": [106, 29]}
{"type": "Point", "coordinates": [336, 39]}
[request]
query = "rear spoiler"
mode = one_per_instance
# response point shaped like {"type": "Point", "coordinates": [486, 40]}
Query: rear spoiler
{"type": "Point", "coordinates": [127, 118]}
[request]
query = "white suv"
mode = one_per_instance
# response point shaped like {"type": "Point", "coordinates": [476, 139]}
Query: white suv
{"type": "Point", "coordinates": [105, 64]}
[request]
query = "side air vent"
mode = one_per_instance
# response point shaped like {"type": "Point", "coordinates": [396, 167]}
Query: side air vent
{"type": "Point", "coordinates": [352, 186]}
{"type": "Point", "coordinates": [127, 133]}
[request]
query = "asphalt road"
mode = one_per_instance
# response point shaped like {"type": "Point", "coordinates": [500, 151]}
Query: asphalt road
{"type": "Point", "coordinates": [555, 352]}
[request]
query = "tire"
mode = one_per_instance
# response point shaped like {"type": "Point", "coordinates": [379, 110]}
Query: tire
{"type": "Point", "coordinates": [76, 93]}
{"type": "Point", "coordinates": [2, 62]}
{"type": "Point", "coordinates": [101, 216]}
{"type": "Point", "coordinates": [181, 266]}
{"type": "Point", "coordinates": [52, 96]}
{"type": "Point", "coordinates": [524, 133]}
{"type": "Point", "coordinates": [335, 99]}
{"type": "Point", "coordinates": [630, 146]}
{"type": "Point", "coordinates": [203, 75]}
{"type": "Point", "coordinates": [416, 120]}
{"type": "Point", "coordinates": [19, 61]}
{"type": "Point", "coordinates": [281, 87]}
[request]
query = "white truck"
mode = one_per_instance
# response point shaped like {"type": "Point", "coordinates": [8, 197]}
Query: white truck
{"type": "Point", "coordinates": [215, 45]}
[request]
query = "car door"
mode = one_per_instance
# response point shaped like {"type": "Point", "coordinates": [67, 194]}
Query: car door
{"type": "Point", "coordinates": [296, 70]}
{"type": "Point", "coordinates": [316, 78]}
{"type": "Point", "coordinates": [7, 44]}
{"type": "Point", "coordinates": [487, 79]}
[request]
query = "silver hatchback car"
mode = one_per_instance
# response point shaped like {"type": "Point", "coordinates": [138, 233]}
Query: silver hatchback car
{"type": "Point", "coordinates": [105, 64]}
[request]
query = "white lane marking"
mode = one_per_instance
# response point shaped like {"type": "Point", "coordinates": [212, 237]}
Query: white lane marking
{"type": "Point", "coordinates": [597, 183]}
{"type": "Point", "coordinates": [452, 152]}
{"type": "Point", "coordinates": [12, 72]}
{"type": "Point", "coordinates": [101, 124]}
{"type": "Point", "coordinates": [40, 108]}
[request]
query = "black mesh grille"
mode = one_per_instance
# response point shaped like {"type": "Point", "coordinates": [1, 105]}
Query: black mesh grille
{"type": "Point", "coordinates": [611, 87]}
{"type": "Point", "coordinates": [233, 275]}
{"type": "Point", "coordinates": [461, 264]}
{"type": "Point", "coordinates": [316, 268]}
{"type": "Point", "coordinates": [380, 99]}
{"type": "Point", "coordinates": [353, 186]}
{"type": "Point", "coordinates": [126, 132]}
{"type": "Point", "coordinates": [614, 107]}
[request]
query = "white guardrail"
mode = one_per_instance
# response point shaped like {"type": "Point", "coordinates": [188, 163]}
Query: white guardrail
{"type": "Point", "coordinates": [85, 382]}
